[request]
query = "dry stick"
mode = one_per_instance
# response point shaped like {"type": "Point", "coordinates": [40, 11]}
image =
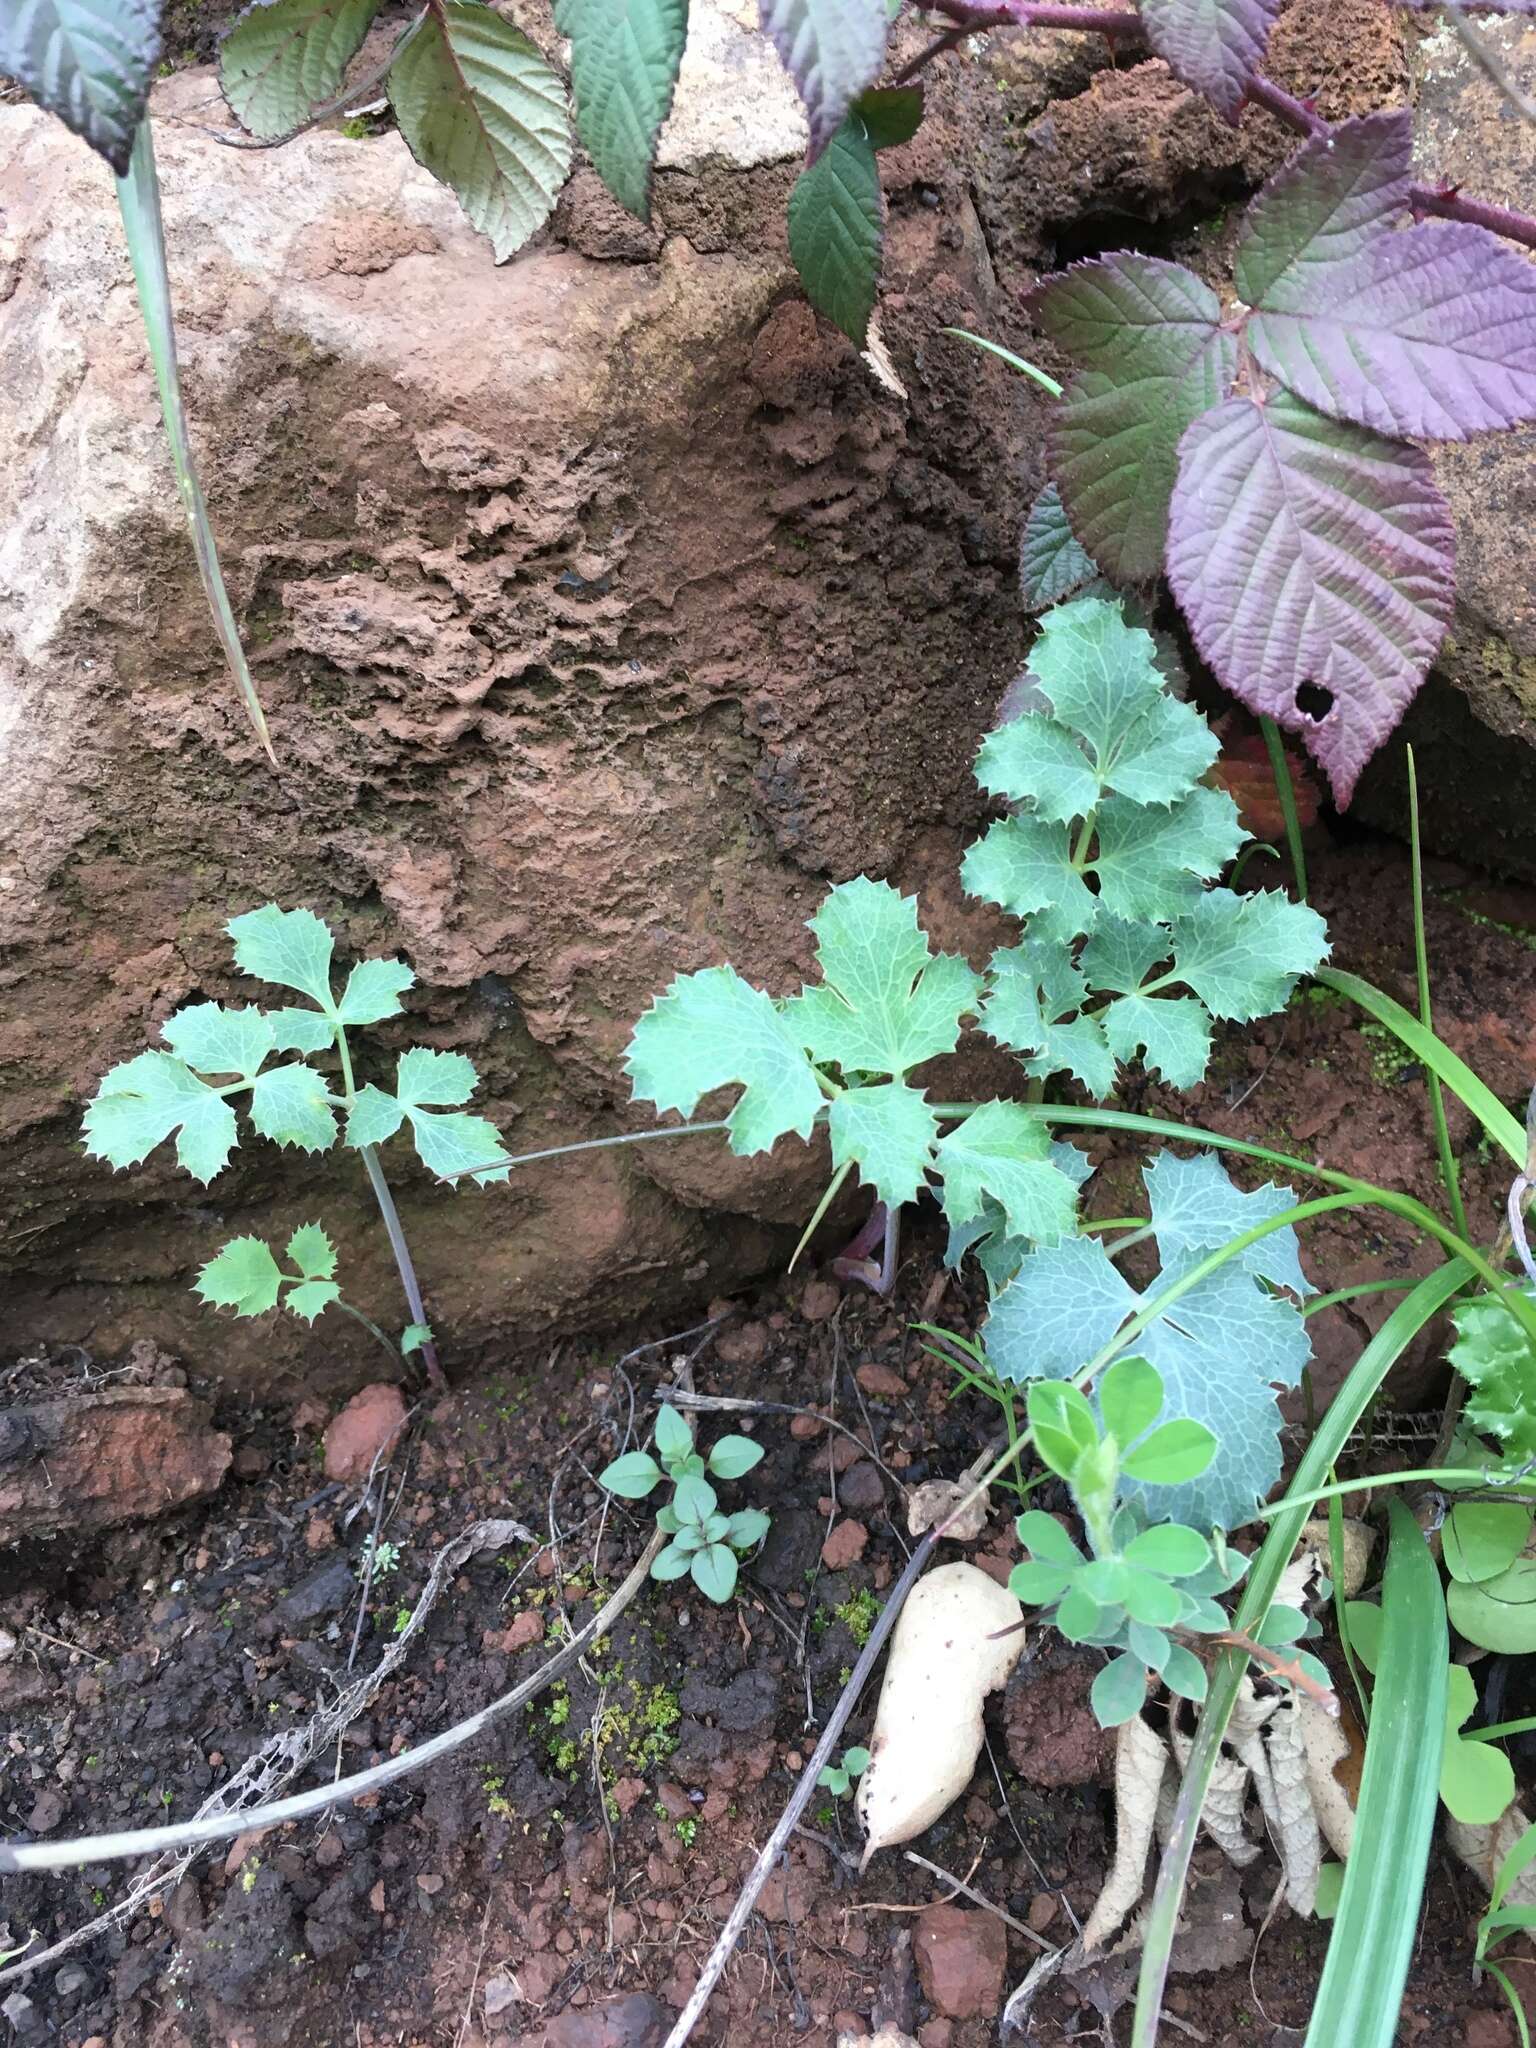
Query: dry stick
{"type": "Point", "coordinates": [220, 1826]}
{"type": "Point", "coordinates": [800, 1798]}
{"type": "Point", "coordinates": [979, 1899]}
{"type": "Point", "coordinates": [1488, 60]}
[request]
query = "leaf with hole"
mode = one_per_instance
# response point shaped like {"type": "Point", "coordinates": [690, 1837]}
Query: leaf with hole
{"type": "Point", "coordinates": [88, 61]}
{"type": "Point", "coordinates": [283, 58]}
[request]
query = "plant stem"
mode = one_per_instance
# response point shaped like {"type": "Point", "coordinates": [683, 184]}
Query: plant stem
{"type": "Point", "coordinates": [402, 1252]}
{"type": "Point", "coordinates": [1285, 789]}
{"type": "Point", "coordinates": [1322, 1301]}
{"type": "Point", "coordinates": [585, 1145]}
{"type": "Point", "coordinates": [371, 1326]}
{"type": "Point", "coordinates": [1428, 1475]}
{"type": "Point", "coordinates": [1449, 1172]}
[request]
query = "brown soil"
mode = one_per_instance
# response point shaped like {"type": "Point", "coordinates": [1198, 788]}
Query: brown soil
{"type": "Point", "coordinates": [151, 1661]}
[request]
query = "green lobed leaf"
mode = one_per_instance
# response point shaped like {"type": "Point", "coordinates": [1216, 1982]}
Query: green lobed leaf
{"type": "Point", "coordinates": [451, 1145]}
{"type": "Point", "coordinates": [436, 1079]}
{"type": "Point", "coordinates": [301, 1030]}
{"type": "Point", "coordinates": [283, 58]}
{"type": "Point", "coordinates": [312, 1252]}
{"type": "Point", "coordinates": [887, 1002]}
{"type": "Point", "coordinates": [1025, 866]}
{"type": "Point", "coordinates": [1495, 1356]}
{"type": "Point", "coordinates": [413, 1337]}
{"type": "Point", "coordinates": [836, 229]}
{"type": "Point", "coordinates": [142, 1102]}
{"type": "Point", "coordinates": [292, 948]}
{"type": "Point", "coordinates": [373, 991]}
{"type": "Point", "coordinates": [888, 1131]}
{"type": "Point", "coordinates": [1032, 1018]}
{"type": "Point", "coordinates": [624, 62]}
{"type": "Point", "coordinates": [1197, 1207]}
{"type": "Point", "coordinates": [1002, 1151]}
{"type": "Point", "coordinates": [307, 1298]}
{"type": "Point", "coordinates": [289, 1105]}
{"type": "Point", "coordinates": [1153, 864]}
{"type": "Point", "coordinates": [1172, 1033]}
{"type": "Point", "coordinates": [711, 1029]}
{"type": "Point", "coordinates": [1242, 955]}
{"type": "Point", "coordinates": [88, 61]}
{"type": "Point", "coordinates": [219, 1041]}
{"type": "Point", "coordinates": [374, 1117]}
{"type": "Point", "coordinates": [243, 1276]}
{"type": "Point", "coordinates": [1035, 760]}
{"type": "Point", "coordinates": [484, 113]}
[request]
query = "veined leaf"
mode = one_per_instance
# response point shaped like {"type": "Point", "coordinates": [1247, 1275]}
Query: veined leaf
{"type": "Point", "coordinates": [140, 1103]}
{"type": "Point", "coordinates": [219, 1041]}
{"type": "Point", "coordinates": [886, 1001]}
{"type": "Point", "coordinates": [1304, 550]}
{"type": "Point", "coordinates": [832, 49]}
{"type": "Point", "coordinates": [244, 1276]}
{"type": "Point", "coordinates": [888, 1130]}
{"type": "Point", "coordinates": [88, 61]}
{"type": "Point", "coordinates": [1152, 863]}
{"type": "Point", "coordinates": [312, 1252]}
{"type": "Point", "coordinates": [290, 947]}
{"type": "Point", "coordinates": [301, 1030]}
{"type": "Point", "coordinates": [1495, 1357]}
{"type": "Point", "coordinates": [1052, 560]}
{"type": "Point", "coordinates": [1025, 866]}
{"type": "Point", "coordinates": [1197, 1207]}
{"type": "Point", "coordinates": [1001, 1151]}
{"type": "Point", "coordinates": [836, 227]}
{"type": "Point", "coordinates": [624, 60]}
{"type": "Point", "coordinates": [482, 111]}
{"type": "Point", "coordinates": [1147, 334]}
{"type": "Point", "coordinates": [1171, 1033]}
{"type": "Point", "coordinates": [289, 1105]}
{"type": "Point", "coordinates": [282, 58]}
{"type": "Point", "coordinates": [1041, 1021]}
{"type": "Point", "coordinates": [1242, 955]}
{"type": "Point", "coordinates": [307, 1298]}
{"type": "Point", "coordinates": [891, 114]}
{"type": "Point", "coordinates": [373, 991]}
{"type": "Point", "coordinates": [1214, 45]}
{"type": "Point", "coordinates": [711, 1029]}
{"type": "Point", "coordinates": [447, 1145]}
{"type": "Point", "coordinates": [1427, 332]}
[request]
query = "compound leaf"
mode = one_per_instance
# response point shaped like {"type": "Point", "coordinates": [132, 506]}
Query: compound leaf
{"type": "Point", "coordinates": [1034, 760]}
{"type": "Point", "coordinates": [711, 1029]}
{"type": "Point", "coordinates": [219, 1041]}
{"type": "Point", "coordinates": [1172, 1033]}
{"type": "Point", "coordinates": [1025, 865]}
{"type": "Point", "coordinates": [886, 1002]}
{"type": "Point", "coordinates": [1148, 335]}
{"type": "Point", "coordinates": [1214, 45]}
{"type": "Point", "coordinates": [243, 1276]}
{"type": "Point", "coordinates": [888, 1131]}
{"type": "Point", "coordinates": [140, 1103]}
{"type": "Point", "coordinates": [1197, 1207]}
{"type": "Point", "coordinates": [1242, 955]}
{"type": "Point", "coordinates": [482, 111]}
{"type": "Point", "coordinates": [282, 58]}
{"type": "Point", "coordinates": [1153, 863]}
{"type": "Point", "coordinates": [88, 61]}
{"type": "Point", "coordinates": [290, 947]}
{"type": "Point", "coordinates": [374, 1117]}
{"type": "Point", "coordinates": [289, 1106]}
{"type": "Point", "coordinates": [1495, 1356]}
{"type": "Point", "coordinates": [1002, 1151]}
{"type": "Point", "coordinates": [1052, 560]}
{"type": "Point", "coordinates": [373, 991]}
{"type": "Point", "coordinates": [832, 49]}
{"type": "Point", "coordinates": [312, 1252]}
{"type": "Point", "coordinates": [1427, 332]}
{"type": "Point", "coordinates": [300, 1030]}
{"type": "Point", "coordinates": [307, 1298]}
{"type": "Point", "coordinates": [1306, 550]}
{"type": "Point", "coordinates": [624, 61]}
{"type": "Point", "coordinates": [836, 228]}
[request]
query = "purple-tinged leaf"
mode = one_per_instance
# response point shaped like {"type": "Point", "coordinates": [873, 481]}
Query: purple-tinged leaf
{"type": "Point", "coordinates": [1306, 550]}
{"type": "Point", "coordinates": [1052, 562]}
{"type": "Point", "coordinates": [1214, 45]}
{"type": "Point", "coordinates": [1483, 6]}
{"type": "Point", "coordinates": [832, 49]}
{"type": "Point", "coordinates": [1154, 358]}
{"type": "Point", "coordinates": [1426, 331]}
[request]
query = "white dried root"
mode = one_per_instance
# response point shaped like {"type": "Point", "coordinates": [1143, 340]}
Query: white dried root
{"type": "Point", "coordinates": [958, 1637]}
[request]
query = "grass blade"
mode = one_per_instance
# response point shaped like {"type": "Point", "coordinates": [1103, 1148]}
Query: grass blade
{"type": "Point", "coordinates": [138, 197]}
{"type": "Point", "coordinates": [1285, 789]}
{"type": "Point", "coordinates": [1450, 1173]}
{"type": "Point", "coordinates": [1378, 1917]}
{"type": "Point", "coordinates": [1332, 1433]}
{"type": "Point", "coordinates": [1434, 1054]}
{"type": "Point", "coordinates": [1006, 355]}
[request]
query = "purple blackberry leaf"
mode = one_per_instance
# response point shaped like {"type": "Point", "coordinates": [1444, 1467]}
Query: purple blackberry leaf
{"type": "Point", "coordinates": [1154, 358]}
{"type": "Point", "coordinates": [1306, 550]}
{"type": "Point", "coordinates": [832, 49]}
{"type": "Point", "coordinates": [1214, 45]}
{"type": "Point", "coordinates": [1426, 331]}
{"type": "Point", "coordinates": [1483, 6]}
{"type": "Point", "coordinates": [1052, 562]}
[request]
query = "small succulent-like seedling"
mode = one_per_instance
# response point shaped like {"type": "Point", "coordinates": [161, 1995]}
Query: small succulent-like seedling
{"type": "Point", "coordinates": [840, 1778]}
{"type": "Point", "coordinates": [705, 1543]}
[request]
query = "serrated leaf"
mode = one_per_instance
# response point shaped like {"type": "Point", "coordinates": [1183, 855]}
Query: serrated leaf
{"type": "Point", "coordinates": [374, 1117]}
{"type": "Point", "coordinates": [1121, 956]}
{"type": "Point", "coordinates": [439, 1080]}
{"type": "Point", "coordinates": [832, 49]}
{"type": "Point", "coordinates": [312, 1252]}
{"type": "Point", "coordinates": [1001, 1151]}
{"type": "Point", "coordinates": [1063, 1306]}
{"type": "Point", "coordinates": [1036, 1021]}
{"type": "Point", "coordinates": [712, 1029]}
{"type": "Point", "coordinates": [1035, 760]}
{"type": "Point", "coordinates": [1152, 863]}
{"type": "Point", "coordinates": [1305, 550]}
{"type": "Point", "coordinates": [289, 1106]}
{"type": "Point", "coordinates": [219, 1041]}
{"type": "Point", "coordinates": [886, 1002]}
{"type": "Point", "coordinates": [292, 948]}
{"type": "Point", "coordinates": [88, 61]}
{"type": "Point", "coordinates": [1197, 1208]}
{"type": "Point", "coordinates": [1148, 336]}
{"type": "Point", "coordinates": [482, 111]}
{"type": "Point", "coordinates": [1214, 45]}
{"type": "Point", "coordinates": [1242, 955]}
{"type": "Point", "coordinates": [451, 1145]}
{"type": "Point", "coordinates": [624, 61]}
{"type": "Point", "coordinates": [1172, 1033]}
{"type": "Point", "coordinates": [836, 229]}
{"type": "Point", "coordinates": [243, 1276]}
{"type": "Point", "coordinates": [1025, 866]}
{"type": "Point", "coordinates": [282, 58]}
{"type": "Point", "coordinates": [413, 1337]}
{"type": "Point", "coordinates": [308, 1298]}
{"type": "Point", "coordinates": [888, 1131]}
{"type": "Point", "coordinates": [891, 114]}
{"type": "Point", "coordinates": [140, 1103]}
{"type": "Point", "coordinates": [1427, 332]}
{"type": "Point", "coordinates": [1495, 1356]}
{"type": "Point", "coordinates": [373, 991]}
{"type": "Point", "coordinates": [1052, 560]}
{"type": "Point", "coordinates": [300, 1031]}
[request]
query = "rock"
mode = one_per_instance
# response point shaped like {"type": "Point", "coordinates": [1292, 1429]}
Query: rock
{"type": "Point", "coordinates": [635, 2021]}
{"type": "Point", "coordinates": [880, 1381]}
{"type": "Point", "coordinates": [326, 1590]}
{"type": "Point", "coordinates": [71, 1981]}
{"type": "Point", "coordinates": [820, 1300]}
{"type": "Point", "coordinates": [844, 1546]}
{"type": "Point", "coordinates": [961, 1960]}
{"type": "Point", "coordinates": [789, 1550]}
{"type": "Point", "coordinates": [742, 1344]}
{"type": "Point", "coordinates": [47, 1812]}
{"type": "Point", "coordinates": [74, 1466]}
{"type": "Point", "coordinates": [522, 1633]}
{"type": "Point", "coordinates": [499, 1993]}
{"type": "Point", "coordinates": [861, 1488]}
{"type": "Point", "coordinates": [25, 2018]}
{"type": "Point", "coordinates": [367, 1426]}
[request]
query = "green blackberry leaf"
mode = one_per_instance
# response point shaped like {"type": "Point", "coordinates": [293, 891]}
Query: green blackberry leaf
{"type": "Point", "coordinates": [1001, 1151]}
{"type": "Point", "coordinates": [1052, 561]}
{"type": "Point", "coordinates": [142, 1102]}
{"type": "Point", "coordinates": [887, 1002]}
{"type": "Point", "coordinates": [373, 991]}
{"type": "Point", "coordinates": [888, 1131]}
{"type": "Point", "coordinates": [243, 1276]}
{"type": "Point", "coordinates": [711, 1029]}
{"type": "Point", "coordinates": [284, 57]}
{"type": "Point", "coordinates": [624, 62]}
{"type": "Point", "coordinates": [289, 1106]}
{"type": "Point", "coordinates": [219, 1041]}
{"type": "Point", "coordinates": [837, 228]}
{"type": "Point", "coordinates": [292, 948]}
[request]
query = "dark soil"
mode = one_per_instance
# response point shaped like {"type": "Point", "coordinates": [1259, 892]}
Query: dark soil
{"type": "Point", "coordinates": [513, 1893]}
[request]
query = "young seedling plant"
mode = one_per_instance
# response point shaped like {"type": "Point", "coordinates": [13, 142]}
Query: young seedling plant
{"type": "Point", "coordinates": [260, 1060]}
{"type": "Point", "coordinates": [705, 1544]}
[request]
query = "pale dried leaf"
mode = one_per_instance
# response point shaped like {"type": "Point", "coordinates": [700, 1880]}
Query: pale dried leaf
{"type": "Point", "coordinates": [936, 1499]}
{"type": "Point", "coordinates": [888, 2037]}
{"type": "Point", "coordinates": [1483, 1850]}
{"type": "Point", "coordinates": [877, 359]}
{"type": "Point", "coordinates": [1140, 1763]}
{"type": "Point", "coordinates": [1326, 1745]}
{"type": "Point", "coordinates": [1293, 1822]}
{"type": "Point", "coordinates": [1225, 1801]}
